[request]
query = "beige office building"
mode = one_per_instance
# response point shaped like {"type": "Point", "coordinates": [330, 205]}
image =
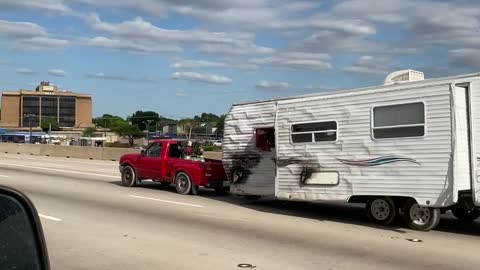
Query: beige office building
{"type": "Point", "coordinates": [27, 108]}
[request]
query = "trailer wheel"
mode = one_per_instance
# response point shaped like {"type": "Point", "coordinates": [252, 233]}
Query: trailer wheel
{"type": "Point", "coordinates": [420, 218]}
{"type": "Point", "coordinates": [129, 177]}
{"type": "Point", "coordinates": [183, 183]}
{"type": "Point", "coordinates": [466, 215]}
{"type": "Point", "coordinates": [381, 210]}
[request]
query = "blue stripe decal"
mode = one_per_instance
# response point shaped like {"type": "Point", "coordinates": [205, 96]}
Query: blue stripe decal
{"type": "Point", "coordinates": [377, 161]}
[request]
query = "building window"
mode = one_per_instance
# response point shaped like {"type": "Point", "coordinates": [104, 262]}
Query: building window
{"type": "Point", "coordinates": [30, 110]}
{"type": "Point", "coordinates": [397, 121]}
{"type": "Point", "coordinates": [314, 132]}
{"type": "Point", "coordinates": [50, 108]}
{"type": "Point", "coordinates": [67, 111]}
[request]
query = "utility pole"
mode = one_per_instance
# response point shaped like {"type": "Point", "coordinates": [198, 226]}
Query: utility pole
{"type": "Point", "coordinates": [29, 117]}
{"type": "Point", "coordinates": [206, 126]}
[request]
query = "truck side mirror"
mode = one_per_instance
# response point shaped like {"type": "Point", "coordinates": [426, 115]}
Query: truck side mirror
{"type": "Point", "coordinates": [23, 244]}
{"type": "Point", "coordinates": [142, 152]}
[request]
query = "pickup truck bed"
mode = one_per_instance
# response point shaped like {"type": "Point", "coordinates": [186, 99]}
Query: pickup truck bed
{"type": "Point", "coordinates": [163, 161]}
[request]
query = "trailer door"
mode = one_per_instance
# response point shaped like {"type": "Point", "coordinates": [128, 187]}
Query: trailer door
{"type": "Point", "coordinates": [473, 101]}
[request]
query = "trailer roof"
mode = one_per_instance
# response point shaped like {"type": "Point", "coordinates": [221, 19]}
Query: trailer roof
{"type": "Point", "coordinates": [333, 92]}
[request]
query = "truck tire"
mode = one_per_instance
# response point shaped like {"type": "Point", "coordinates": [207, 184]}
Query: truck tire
{"type": "Point", "coordinates": [129, 177]}
{"type": "Point", "coordinates": [381, 210]}
{"type": "Point", "coordinates": [466, 215]}
{"type": "Point", "coordinates": [420, 218]}
{"type": "Point", "coordinates": [183, 183]}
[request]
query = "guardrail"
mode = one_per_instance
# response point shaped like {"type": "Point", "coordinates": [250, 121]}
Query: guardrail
{"type": "Point", "coordinates": [83, 152]}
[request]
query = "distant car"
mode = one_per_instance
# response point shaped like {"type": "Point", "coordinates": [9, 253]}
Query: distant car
{"type": "Point", "coordinates": [165, 162]}
{"type": "Point", "coordinates": [217, 143]}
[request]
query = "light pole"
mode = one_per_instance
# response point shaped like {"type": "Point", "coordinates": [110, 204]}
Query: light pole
{"type": "Point", "coordinates": [29, 116]}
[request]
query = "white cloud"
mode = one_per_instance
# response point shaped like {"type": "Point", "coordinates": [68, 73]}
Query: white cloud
{"type": "Point", "coordinates": [103, 76]}
{"type": "Point", "coordinates": [269, 85]}
{"type": "Point", "coordinates": [201, 77]}
{"type": "Point", "coordinates": [368, 64]}
{"type": "Point", "coordinates": [465, 58]}
{"type": "Point", "coordinates": [190, 63]}
{"type": "Point", "coordinates": [141, 35]}
{"type": "Point", "coordinates": [196, 64]}
{"type": "Point", "coordinates": [57, 72]}
{"type": "Point", "coordinates": [132, 46]}
{"type": "Point", "coordinates": [29, 36]}
{"type": "Point", "coordinates": [56, 6]}
{"type": "Point", "coordinates": [24, 71]}
{"type": "Point", "coordinates": [181, 93]}
{"type": "Point", "coordinates": [296, 60]}
{"type": "Point", "coordinates": [237, 51]}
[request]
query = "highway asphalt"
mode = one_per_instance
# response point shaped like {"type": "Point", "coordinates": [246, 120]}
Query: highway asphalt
{"type": "Point", "coordinates": [92, 222]}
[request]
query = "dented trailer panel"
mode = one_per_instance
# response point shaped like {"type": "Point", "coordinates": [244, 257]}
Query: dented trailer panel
{"type": "Point", "coordinates": [250, 170]}
{"type": "Point", "coordinates": [349, 159]}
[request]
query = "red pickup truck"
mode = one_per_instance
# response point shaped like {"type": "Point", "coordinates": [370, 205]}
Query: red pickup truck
{"type": "Point", "coordinates": [164, 161]}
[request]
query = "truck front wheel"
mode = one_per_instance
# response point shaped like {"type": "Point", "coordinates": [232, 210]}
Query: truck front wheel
{"type": "Point", "coordinates": [184, 185]}
{"type": "Point", "coordinates": [466, 215]}
{"type": "Point", "coordinates": [420, 218]}
{"type": "Point", "coordinates": [129, 177]}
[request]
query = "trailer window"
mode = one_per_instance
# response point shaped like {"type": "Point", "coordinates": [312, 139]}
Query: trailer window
{"type": "Point", "coordinates": [397, 121]}
{"type": "Point", "coordinates": [265, 139]}
{"type": "Point", "coordinates": [314, 132]}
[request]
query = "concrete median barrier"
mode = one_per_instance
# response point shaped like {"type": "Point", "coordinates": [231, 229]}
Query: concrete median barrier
{"type": "Point", "coordinates": [83, 152]}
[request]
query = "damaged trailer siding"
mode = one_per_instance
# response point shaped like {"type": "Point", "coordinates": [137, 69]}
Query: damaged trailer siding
{"type": "Point", "coordinates": [475, 133]}
{"type": "Point", "coordinates": [250, 170]}
{"type": "Point", "coordinates": [353, 162]}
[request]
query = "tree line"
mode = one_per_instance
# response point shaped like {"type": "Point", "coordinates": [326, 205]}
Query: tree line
{"type": "Point", "coordinates": [133, 126]}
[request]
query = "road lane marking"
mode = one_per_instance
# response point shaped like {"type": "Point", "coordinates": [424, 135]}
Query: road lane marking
{"type": "Point", "coordinates": [49, 217]}
{"type": "Point", "coordinates": [165, 201]}
{"type": "Point", "coordinates": [217, 217]}
{"type": "Point", "coordinates": [6, 176]}
{"type": "Point", "coordinates": [57, 170]}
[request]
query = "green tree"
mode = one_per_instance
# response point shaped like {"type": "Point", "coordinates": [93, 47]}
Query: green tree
{"type": "Point", "coordinates": [128, 131]}
{"type": "Point", "coordinates": [188, 124]}
{"type": "Point", "coordinates": [108, 121]}
{"type": "Point", "coordinates": [141, 118]}
{"type": "Point", "coordinates": [89, 132]}
{"type": "Point", "coordinates": [221, 122]}
{"type": "Point", "coordinates": [49, 123]}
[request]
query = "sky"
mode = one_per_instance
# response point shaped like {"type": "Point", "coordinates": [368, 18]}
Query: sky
{"type": "Point", "coordinates": [181, 58]}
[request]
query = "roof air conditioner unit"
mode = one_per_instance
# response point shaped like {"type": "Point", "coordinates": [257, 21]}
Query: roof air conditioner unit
{"type": "Point", "coordinates": [404, 76]}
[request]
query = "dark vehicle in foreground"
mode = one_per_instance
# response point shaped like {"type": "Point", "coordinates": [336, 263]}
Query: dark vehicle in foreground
{"type": "Point", "coordinates": [164, 161]}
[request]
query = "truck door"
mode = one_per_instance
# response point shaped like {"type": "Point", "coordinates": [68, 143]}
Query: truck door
{"type": "Point", "coordinates": [150, 164]}
{"type": "Point", "coordinates": [473, 101]}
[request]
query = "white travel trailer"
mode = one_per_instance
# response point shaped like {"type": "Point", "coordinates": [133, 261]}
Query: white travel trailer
{"type": "Point", "coordinates": [411, 144]}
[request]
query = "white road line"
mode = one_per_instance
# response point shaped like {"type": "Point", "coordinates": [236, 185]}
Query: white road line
{"type": "Point", "coordinates": [165, 201]}
{"type": "Point", "coordinates": [217, 217]}
{"type": "Point", "coordinates": [49, 217]}
{"type": "Point", "coordinates": [6, 176]}
{"type": "Point", "coordinates": [57, 170]}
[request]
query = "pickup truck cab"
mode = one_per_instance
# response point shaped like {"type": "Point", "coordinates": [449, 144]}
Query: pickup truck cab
{"type": "Point", "coordinates": [164, 161]}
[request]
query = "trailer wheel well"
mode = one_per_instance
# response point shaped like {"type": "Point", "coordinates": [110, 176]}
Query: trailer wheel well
{"type": "Point", "coordinates": [399, 200]}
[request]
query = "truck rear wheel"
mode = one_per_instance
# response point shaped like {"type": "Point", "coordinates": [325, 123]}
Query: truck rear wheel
{"type": "Point", "coordinates": [183, 183]}
{"type": "Point", "coordinates": [420, 218]}
{"type": "Point", "coordinates": [466, 215]}
{"type": "Point", "coordinates": [381, 210]}
{"type": "Point", "coordinates": [129, 177]}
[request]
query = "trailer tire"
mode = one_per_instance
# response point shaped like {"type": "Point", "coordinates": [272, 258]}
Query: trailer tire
{"type": "Point", "coordinates": [420, 218]}
{"type": "Point", "coordinates": [183, 183]}
{"type": "Point", "coordinates": [381, 210]}
{"type": "Point", "coordinates": [466, 215]}
{"type": "Point", "coordinates": [129, 177]}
